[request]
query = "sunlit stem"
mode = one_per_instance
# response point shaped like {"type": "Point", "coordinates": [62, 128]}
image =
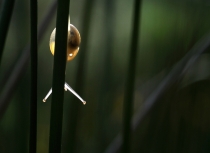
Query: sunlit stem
{"type": "Point", "coordinates": [66, 87]}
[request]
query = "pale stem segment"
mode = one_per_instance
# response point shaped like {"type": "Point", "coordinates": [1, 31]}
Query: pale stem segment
{"type": "Point", "coordinates": [66, 87]}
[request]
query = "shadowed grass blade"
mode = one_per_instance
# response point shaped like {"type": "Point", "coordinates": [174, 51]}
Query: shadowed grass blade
{"type": "Point", "coordinates": [129, 88]}
{"type": "Point", "coordinates": [34, 59]}
{"type": "Point", "coordinates": [58, 76]}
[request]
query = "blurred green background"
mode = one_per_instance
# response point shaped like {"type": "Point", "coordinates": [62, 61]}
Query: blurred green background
{"type": "Point", "coordinates": [168, 30]}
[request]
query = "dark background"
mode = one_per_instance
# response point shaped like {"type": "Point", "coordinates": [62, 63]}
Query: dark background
{"type": "Point", "coordinates": [179, 122]}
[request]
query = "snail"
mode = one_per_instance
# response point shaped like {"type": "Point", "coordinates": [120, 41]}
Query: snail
{"type": "Point", "coordinates": [73, 43]}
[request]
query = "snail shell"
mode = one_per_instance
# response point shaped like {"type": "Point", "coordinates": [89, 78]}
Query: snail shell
{"type": "Point", "coordinates": [73, 42]}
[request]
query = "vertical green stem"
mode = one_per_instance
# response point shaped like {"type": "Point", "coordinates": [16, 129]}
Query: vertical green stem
{"type": "Point", "coordinates": [128, 98]}
{"type": "Point", "coordinates": [107, 78]}
{"type": "Point", "coordinates": [34, 59]}
{"type": "Point", "coordinates": [6, 13]}
{"type": "Point", "coordinates": [59, 76]}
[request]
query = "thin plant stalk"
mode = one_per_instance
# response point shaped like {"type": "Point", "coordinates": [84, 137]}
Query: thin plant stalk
{"type": "Point", "coordinates": [59, 67]}
{"type": "Point", "coordinates": [128, 98]}
{"type": "Point", "coordinates": [5, 17]}
{"type": "Point", "coordinates": [106, 87]}
{"type": "Point", "coordinates": [34, 59]}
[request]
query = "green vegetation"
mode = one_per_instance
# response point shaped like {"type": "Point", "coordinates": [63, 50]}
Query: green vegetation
{"type": "Point", "coordinates": [168, 108]}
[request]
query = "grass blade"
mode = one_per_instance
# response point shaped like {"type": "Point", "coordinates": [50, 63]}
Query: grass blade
{"type": "Point", "coordinates": [34, 59]}
{"type": "Point", "coordinates": [106, 88]}
{"type": "Point", "coordinates": [128, 98]}
{"type": "Point", "coordinates": [59, 76]}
